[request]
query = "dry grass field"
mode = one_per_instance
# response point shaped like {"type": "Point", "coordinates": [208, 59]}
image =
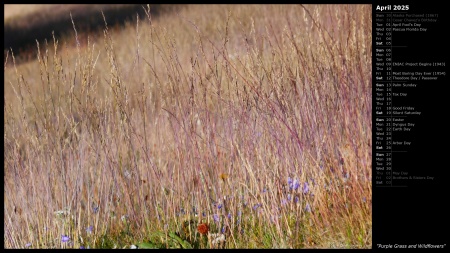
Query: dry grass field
{"type": "Point", "coordinates": [206, 126]}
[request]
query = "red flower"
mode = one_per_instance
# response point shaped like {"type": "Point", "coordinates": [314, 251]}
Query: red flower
{"type": "Point", "coordinates": [203, 228]}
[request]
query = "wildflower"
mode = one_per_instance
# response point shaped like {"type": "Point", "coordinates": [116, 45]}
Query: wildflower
{"type": "Point", "coordinates": [65, 238]}
{"type": "Point", "coordinates": [82, 247]}
{"type": "Point", "coordinates": [133, 246]}
{"type": "Point", "coordinates": [217, 238]}
{"type": "Point", "coordinates": [364, 199]}
{"type": "Point", "coordinates": [95, 208]}
{"type": "Point", "coordinates": [305, 188]}
{"type": "Point", "coordinates": [224, 176]}
{"type": "Point", "coordinates": [222, 230]}
{"type": "Point", "coordinates": [293, 184]}
{"type": "Point", "coordinates": [308, 208]}
{"type": "Point", "coordinates": [61, 213]}
{"type": "Point", "coordinates": [284, 202]}
{"type": "Point", "coordinates": [28, 245]}
{"type": "Point", "coordinates": [346, 177]}
{"type": "Point", "coordinates": [264, 190]}
{"type": "Point", "coordinates": [219, 206]}
{"type": "Point", "coordinates": [256, 206]}
{"type": "Point", "coordinates": [216, 217]}
{"type": "Point", "coordinates": [89, 229]}
{"type": "Point", "coordinates": [296, 199]}
{"type": "Point", "coordinates": [229, 216]}
{"type": "Point", "coordinates": [203, 228]}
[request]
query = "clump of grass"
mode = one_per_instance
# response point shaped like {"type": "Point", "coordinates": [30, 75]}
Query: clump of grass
{"type": "Point", "coordinates": [253, 121]}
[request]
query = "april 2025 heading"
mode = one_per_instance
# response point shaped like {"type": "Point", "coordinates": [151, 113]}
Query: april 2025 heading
{"type": "Point", "coordinates": [392, 7]}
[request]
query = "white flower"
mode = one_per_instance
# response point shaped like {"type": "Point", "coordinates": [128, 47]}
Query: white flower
{"type": "Point", "coordinates": [133, 247]}
{"type": "Point", "coordinates": [217, 238]}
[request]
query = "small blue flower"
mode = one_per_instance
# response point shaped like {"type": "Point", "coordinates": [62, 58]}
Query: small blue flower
{"type": "Point", "coordinates": [28, 245]}
{"type": "Point", "coordinates": [219, 206]}
{"type": "Point", "coordinates": [293, 184]}
{"type": "Point", "coordinates": [296, 199]}
{"type": "Point", "coordinates": [289, 197]}
{"type": "Point", "coordinates": [82, 247]}
{"type": "Point", "coordinates": [223, 230]}
{"type": "Point", "coordinates": [256, 206]}
{"type": "Point", "coordinates": [229, 216]}
{"type": "Point", "coordinates": [364, 199]}
{"type": "Point", "coordinates": [216, 217]}
{"type": "Point", "coordinates": [264, 190]}
{"type": "Point", "coordinates": [308, 208]}
{"type": "Point", "coordinates": [284, 202]}
{"type": "Point", "coordinates": [204, 213]}
{"type": "Point", "coordinates": [305, 188]}
{"type": "Point", "coordinates": [65, 238]}
{"type": "Point", "coordinates": [89, 229]}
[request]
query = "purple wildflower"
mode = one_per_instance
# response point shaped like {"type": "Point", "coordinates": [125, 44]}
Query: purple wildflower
{"type": "Point", "coordinates": [305, 188]}
{"type": "Point", "coordinates": [65, 238]}
{"type": "Point", "coordinates": [95, 208]}
{"type": "Point", "coordinates": [229, 216]}
{"type": "Point", "coordinates": [308, 208]}
{"type": "Point", "coordinates": [28, 245]}
{"type": "Point", "coordinates": [283, 202]}
{"type": "Point", "coordinates": [216, 217]}
{"type": "Point", "coordinates": [89, 229]}
{"type": "Point", "coordinates": [219, 206]}
{"type": "Point", "coordinates": [293, 184]}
